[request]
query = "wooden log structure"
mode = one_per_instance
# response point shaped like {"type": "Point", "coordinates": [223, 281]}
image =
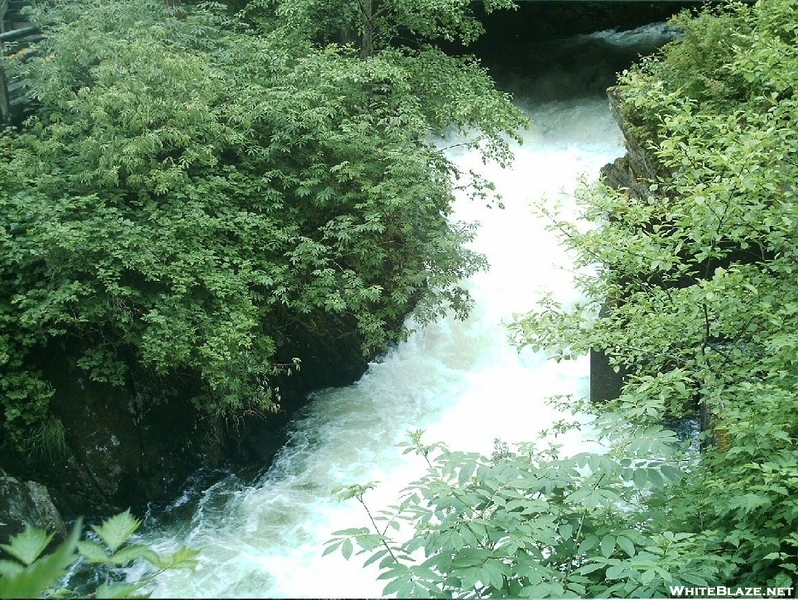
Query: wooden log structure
{"type": "Point", "coordinates": [16, 34]}
{"type": "Point", "coordinates": [12, 89]}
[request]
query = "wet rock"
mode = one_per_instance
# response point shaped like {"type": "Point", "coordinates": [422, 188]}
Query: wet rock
{"type": "Point", "coordinates": [605, 382]}
{"type": "Point", "coordinates": [633, 172]}
{"type": "Point", "coordinates": [126, 447]}
{"type": "Point", "coordinates": [26, 503]}
{"type": "Point", "coordinates": [635, 169]}
{"type": "Point", "coordinates": [115, 450]}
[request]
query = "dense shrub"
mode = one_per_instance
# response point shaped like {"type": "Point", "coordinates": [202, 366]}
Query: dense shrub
{"type": "Point", "coordinates": [190, 191]}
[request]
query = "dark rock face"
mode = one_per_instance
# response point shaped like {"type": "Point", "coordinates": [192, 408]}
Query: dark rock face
{"type": "Point", "coordinates": [125, 447]}
{"type": "Point", "coordinates": [635, 169]}
{"type": "Point", "coordinates": [632, 172]}
{"type": "Point", "coordinates": [332, 359]}
{"type": "Point", "coordinates": [26, 503]}
{"type": "Point", "coordinates": [605, 383]}
{"type": "Point", "coordinates": [554, 18]}
{"type": "Point", "coordinates": [115, 453]}
{"type": "Point", "coordinates": [553, 51]}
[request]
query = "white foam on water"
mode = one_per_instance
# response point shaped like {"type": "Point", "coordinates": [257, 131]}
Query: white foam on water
{"type": "Point", "coordinates": [460, 381]}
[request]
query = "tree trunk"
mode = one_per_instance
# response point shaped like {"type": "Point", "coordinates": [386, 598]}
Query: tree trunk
{"type": "Point", "coordinates": [5, 100]}
{"type": "Point", "coordinates": [3, 9]}
{"type": "Point", "coordinates": [175, 6]}
{"type": "Point", "coordinates": [367, 42]}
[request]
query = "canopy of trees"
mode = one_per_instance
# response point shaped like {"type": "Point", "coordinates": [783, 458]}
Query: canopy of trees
{"type": "Point", "coordinates": [697, 276]}
{"type": "Point", "coordinates": [190, 190]}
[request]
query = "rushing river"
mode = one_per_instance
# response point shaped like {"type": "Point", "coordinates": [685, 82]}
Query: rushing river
{"type": "Point", "coordinates": [462, 382]}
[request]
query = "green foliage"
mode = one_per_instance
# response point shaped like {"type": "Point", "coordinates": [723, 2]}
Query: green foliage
{"type": "Point", "coordinates": [191, 195]}
{"type": "Point", "coordinates": [696, 276]}
{"type": "Point", "coordinates": [375, 25]}
{"type": "Point", "coordinates": [47, 439]}
{"type": "Point", "coordinates": [27, 546]}
{"type": "Point", "coordinates": [531, 523]}
{"type": "Point", "coordinates": [34, 574]}
{"type": "Point", "coordinates": [695, 283]}
{"type": "Point", "coordinates": [31, 573]}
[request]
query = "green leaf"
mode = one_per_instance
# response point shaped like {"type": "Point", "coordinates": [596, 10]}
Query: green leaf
{"type": "Point", "coordinates": [397, 585]}
{"type": "Point", "coordinates": [655, 477]}
{"type": "Point", "coordinates": [120, 590]}
{"type": "Point", "coordinates": [607, 545]}
{"type": "Point", "coordinates": [626, 545]}
{"type": "Point", "coordinates": [375, 557]}
{"type": "Point", "coordinates": [116, 530]}
{"type": "Point", "coordinates": [184, 558]}
{"type": "Point", "coordinates": [590, 568]}
{"type": "Point", "coordinates": [352, 531]}
{"type": "Point", "coordinates": [42, 573]}
{"type": "Point", "coordinates": [93, 551]}
{"type": "Point", "coordinates": [492, 574]}
{"type": "Point", "coordinates": [671, 473]}
{"type": "Point", "coordinates": [28, 545]}
{"type": "Point", "coordinates": [346, 549]}
{"type": "Point", "coordinates": [332, 546]}
{"type": "Point", "coordinates": [587, 544]}
{"type": "Point", "coordinates": [648, 576]}
{"type": "Point", "coordinates": [616, 571]}
{"type": "Point", "coordinates": [694, 579]}
{"type": "Point", "coordinates": [10, 568]}
{"type": "Point", "coordinates": [640, 478]}
{"type": "Point", "coordinates": [134, 552]}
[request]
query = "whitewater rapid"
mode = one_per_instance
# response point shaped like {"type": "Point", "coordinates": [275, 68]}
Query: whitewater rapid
{"type": "Point", "coordinates": [460, 381]}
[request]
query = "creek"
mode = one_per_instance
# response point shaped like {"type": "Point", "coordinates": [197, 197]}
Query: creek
{"type": "Point", "coordinates": [460, 381]}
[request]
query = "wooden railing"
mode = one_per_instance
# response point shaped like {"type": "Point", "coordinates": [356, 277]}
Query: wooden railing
{"type": "Point", "coordinates": [16, 34]}
{"type": "Point", "coordinates": [12, 88]}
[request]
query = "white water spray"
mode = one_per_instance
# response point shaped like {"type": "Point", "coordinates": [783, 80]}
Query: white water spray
{"type": "Point", "coordinates": [460, 381]}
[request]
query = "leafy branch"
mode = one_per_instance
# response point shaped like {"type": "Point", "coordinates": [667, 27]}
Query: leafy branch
{"type": "Point", "coordinates": [31, 573]}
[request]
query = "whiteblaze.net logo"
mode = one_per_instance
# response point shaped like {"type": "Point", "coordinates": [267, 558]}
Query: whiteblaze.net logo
{"type": "Point", "coordinates": [722, 591]}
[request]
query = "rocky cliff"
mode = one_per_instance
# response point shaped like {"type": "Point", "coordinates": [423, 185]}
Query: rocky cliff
{"type": "Point", "coordinates": [110, 448]}
{"type": "Point", "coordinates": [24, 503]}
{"type": "Point", "coordinates": [632, 172]}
